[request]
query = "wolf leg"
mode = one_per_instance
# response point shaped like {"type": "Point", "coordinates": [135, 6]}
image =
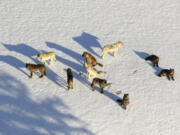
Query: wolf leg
{"type": "Point", "coordinates": [50, 62]}
{"type": "Point", "coordinates": [101, 90]}
{"type": "Point", "coordinates": [115, 53]}
{"type": "Point", "coordinates": [102, 54]}
{"type": "Point", "coordinates": [31, 74]}
{"type": "Point", "coordinates": [54, 58]}
{"type": "Point", "coordinates": [41, 76]}
{"type": "Point", "coordinates": [92, 86]}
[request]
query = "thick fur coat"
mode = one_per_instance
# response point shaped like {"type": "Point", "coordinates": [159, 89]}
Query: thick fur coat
{"type": "Point", "coordinates": [47, 56]}
{"type": "Point", "coordinates": [69, 78]}
{"type": "Point", "coordinates": [36, 68]}
{"type": "Point", "coordinates": [100, 82]}
{"type": "Point", "coordinates": [91, 71]}
{"type": "Point", "coordinates": [91, 59]}
{"type": "Point", "coordinates": [154, 59]}
{"type": "Point", "coordinates": [125, 101]}
{"type": "Point", "coordinates": [169, 73]}
{"type": "Point", "coordinates": [111, 48]}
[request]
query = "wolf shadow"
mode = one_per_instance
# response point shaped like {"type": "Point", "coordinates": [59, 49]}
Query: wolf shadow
{"type": "Point", "coordinates": [23, 49]}
{"type": "Point", "coordinates": [143, 55]}
{"type": "Point", "coordinates": [71, 53]}
{"type": "Point", "coordinates": [14, 62]}
{"type": "Point", "coordinates": [110, 95]}
{"type": "Point", "coordinates": [88, 41]}
{"type": "Point", "coordinates": [78, 67]}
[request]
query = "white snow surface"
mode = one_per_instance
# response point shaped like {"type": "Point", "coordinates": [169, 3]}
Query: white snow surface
{"type": "Point", "coordinates": [70, 27]}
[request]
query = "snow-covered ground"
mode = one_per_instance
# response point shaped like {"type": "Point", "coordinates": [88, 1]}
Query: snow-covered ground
{"type": "Point", "coordinates": [70, 27]}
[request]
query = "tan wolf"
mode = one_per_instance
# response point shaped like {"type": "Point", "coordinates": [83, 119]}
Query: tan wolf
{"type": "Point", "coordinates": [91, 71]}
{"type": "Point", "coordinates": [36, 68]}
{"type": "Point", "coordinates": [47, 56]}
{"type": "Point", "coordinates": [91, 59]}
{"type": "Point", "coordinates": [111, 48]}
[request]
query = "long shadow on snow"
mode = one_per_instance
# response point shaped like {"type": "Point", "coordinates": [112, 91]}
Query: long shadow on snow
{"type": "Point", "coordinates": [71, 53]}
{"type": "Point", "coordinates": [110, 95]}
{"type": "Point", "coordinates": [29, 52]}
{"type": "Point", "coordinates": [88, 41]}
{"type": "Point", "coordinates": [14, 62]}
{"type": "Point", "coordinates": [51, 75]}
{"type": "Point", "coordinates": [23, 49]}
{"type": "Point", "coordinates": [73, 65]}
{"type": "Point", "coordinates": [20, 115]}
{"type": "Point", "coordinates": [143, 55]}
{"type": "Point", "coordinates": [81, 78]}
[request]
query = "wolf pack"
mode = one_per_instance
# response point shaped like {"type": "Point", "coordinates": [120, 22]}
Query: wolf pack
{"type": "Point", "coordinates": [90, 64]}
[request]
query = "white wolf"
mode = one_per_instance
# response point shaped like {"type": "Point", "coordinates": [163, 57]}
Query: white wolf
{"type": "Point", "coordinates": [47, 56]}
{"type": "Point", "coordinates": [91, 71]}
{"type": "Point", "coordinates": [111, 48]}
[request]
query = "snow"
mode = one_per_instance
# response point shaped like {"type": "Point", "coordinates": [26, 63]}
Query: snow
{"type": "Point", "coordinates": [45, 107]}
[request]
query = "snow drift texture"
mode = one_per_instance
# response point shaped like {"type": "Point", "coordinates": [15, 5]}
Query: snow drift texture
{"type": "Point", "coordinates": [70, 27]}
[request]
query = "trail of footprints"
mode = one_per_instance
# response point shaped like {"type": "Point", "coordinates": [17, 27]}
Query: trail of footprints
{"type": "Point", "coordinates": [90, 64]}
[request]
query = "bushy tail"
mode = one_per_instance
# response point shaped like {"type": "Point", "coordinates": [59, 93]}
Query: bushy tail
{"type": "Point", "coordinates": [100, 64]}
{"type": "Point", "coordinates": [101, 72]}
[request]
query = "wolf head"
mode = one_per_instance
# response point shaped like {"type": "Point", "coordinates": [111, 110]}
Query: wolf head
{"type": "Point", "coordinates": [119, 43]}
{"type": "Point", "coordinates": [27, 65]}
{"type": "Point", "coordinates": [85, 54]}
{"type": "Point", "coordinates": [126, 96]}
{"type": "Point", "coordinates": [39, 56]}
{"type": "Point", "coordinates": [69, 70]}
{"type": "Point", "coordinates": [171, 71]}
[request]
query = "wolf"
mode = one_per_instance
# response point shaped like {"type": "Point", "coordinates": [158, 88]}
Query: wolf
{"type": "Point", "coordinates": [47, 56]}
{"type": "Point", "coordinates": [167, 72]}
{"type": "Point", "coordinates": [35, 68]}
{"type": "Point", "coordinates": [111, 48]}
{"type": "Point", "coordinates": [91, 59]}
{"type": "Point", "coordinates": [69, 78]}
{"type": "Point", "coordinates": [125, 101]}
{"type": "Point", "coordinates": [91, 71]}
{"type": "Point", "coordinates": [101, 82]}
{"type": "Point", "coordinates": [154, 59]}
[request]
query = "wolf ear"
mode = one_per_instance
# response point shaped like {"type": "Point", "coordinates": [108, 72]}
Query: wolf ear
{"type": "Point", "coordinates": [126, 95]}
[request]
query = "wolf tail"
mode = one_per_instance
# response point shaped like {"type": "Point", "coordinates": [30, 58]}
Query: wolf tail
{"type": "Point", "coordinates": [100, 64]}
{"type": "Point", "coordinates": [101, 72]}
